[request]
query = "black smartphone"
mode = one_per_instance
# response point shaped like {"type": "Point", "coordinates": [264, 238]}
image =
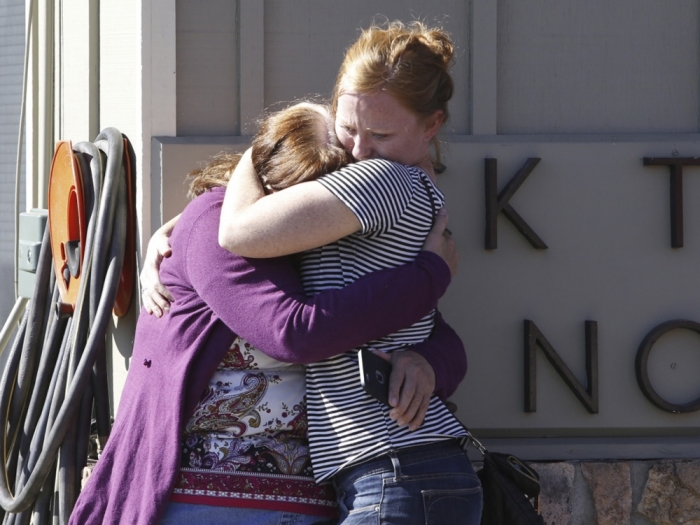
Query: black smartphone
{"type": "Point", "coordinates": [374, 375]}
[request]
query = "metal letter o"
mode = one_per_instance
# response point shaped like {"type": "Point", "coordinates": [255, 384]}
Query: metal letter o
{"type": "Point", "coordinates": [642, 362]}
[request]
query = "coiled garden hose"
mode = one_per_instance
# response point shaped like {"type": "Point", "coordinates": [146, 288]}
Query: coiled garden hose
{"type": "Point", "coordinates": [54, 383]}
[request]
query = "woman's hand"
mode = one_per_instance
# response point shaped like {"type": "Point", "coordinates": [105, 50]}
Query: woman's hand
{"type": "Point", "coordinates": [411, 385]}
{"type": "Point", "coordinates": [155, 296]}
{"type": "Point", "coordinates": [440, 242]}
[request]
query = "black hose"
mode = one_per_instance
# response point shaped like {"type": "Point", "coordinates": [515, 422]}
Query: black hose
{"type": "Point", "coordinates": [42, 512]}
{"type": "Point", "coordinates": [92, 156]}
{"type": "Point", "coordinates": [34, 334]}
{"type": "Point", "coordinates": [55, 377]}
{"type": "Point", "coordinates": [67, 474]}
{"type": "Point", "coordinates": [84, 424]}
{"type": "Point", "coordinates": [47, 363]}
{"type": "Point", "coordinates": [11, 441]}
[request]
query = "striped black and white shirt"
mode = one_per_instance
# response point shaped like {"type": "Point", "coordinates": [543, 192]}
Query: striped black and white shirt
{"type": "Point", "coordinates": [395, 205]}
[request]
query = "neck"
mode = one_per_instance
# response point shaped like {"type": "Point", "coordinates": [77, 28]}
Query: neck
{"type": "Point", "coordinates": [427, 166]}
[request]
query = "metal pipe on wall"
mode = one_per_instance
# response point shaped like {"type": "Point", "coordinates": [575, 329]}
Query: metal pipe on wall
{"type": "Point", "coordinates": [44, 85]}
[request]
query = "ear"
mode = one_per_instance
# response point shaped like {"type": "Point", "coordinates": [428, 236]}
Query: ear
{"type": "Point", "coordinates": [433, 123]}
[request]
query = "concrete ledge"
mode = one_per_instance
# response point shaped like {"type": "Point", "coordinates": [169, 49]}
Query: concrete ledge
{"type": "Point", "coordinates": [611, 448]}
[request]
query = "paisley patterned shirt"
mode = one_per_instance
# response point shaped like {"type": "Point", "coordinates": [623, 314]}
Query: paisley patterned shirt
{"type": "Point", "coordinates": [245, 444]}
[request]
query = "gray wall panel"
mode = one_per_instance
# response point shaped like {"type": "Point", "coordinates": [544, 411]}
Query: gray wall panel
{"type": "Point", "coordinates": [598, 66]}
{"type": "Point", "coordinates": [207, 68]}
{"type": "Point", "coordinates": [11, 66]}
{"type": "Point", "coordinates": [174, 158]}
{"type": "Point", "coordinates": [606, 220]}
{"type": "Point", "coordinates": [305, 42]}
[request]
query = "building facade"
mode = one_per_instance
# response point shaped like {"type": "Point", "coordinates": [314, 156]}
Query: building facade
{"type": "Point", "coordinates": [572, 145]}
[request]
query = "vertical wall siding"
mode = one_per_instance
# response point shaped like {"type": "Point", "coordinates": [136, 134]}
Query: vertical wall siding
{"type": "Point", "coordinates": [121, 105]}
{"type": "Point", "coordinates": [207, 68]}
{"type": "Point", "coordinates": [305, 43]}
{"type": "Point", "coordinates": [562, 67]}
{"type": "Point", "coordinates": [598, 66]}
{"type": "Point", "coordinates": [121, 68]}
{"type": "Point", "coordinates": [77, 81]}
{"type": "Point", "coordinates": [11, 66]}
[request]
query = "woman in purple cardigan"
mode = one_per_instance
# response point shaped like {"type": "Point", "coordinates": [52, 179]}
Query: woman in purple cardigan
{"type": "Point", "coordinates": [244, 458]}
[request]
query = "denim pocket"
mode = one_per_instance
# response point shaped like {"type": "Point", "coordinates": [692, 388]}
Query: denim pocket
{"type": "Point", "coordinates": [461, 506]}
{"type": "Point", "coordinates": [433, 485]}
{"type": "Point", "coordinates": [359, 505]}
{"type": "Point", "coordinates": [432, 499]}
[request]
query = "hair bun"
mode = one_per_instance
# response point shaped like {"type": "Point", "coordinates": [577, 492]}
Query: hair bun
{"type": "Point", "coordinates": [439, 42]}
{"type": "Point", "coordinates": [436, 39]}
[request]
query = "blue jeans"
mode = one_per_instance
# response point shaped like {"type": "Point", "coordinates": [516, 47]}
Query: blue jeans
{"type": "Point", "coordinates": [431, 484]}
{"type": "Point", "coordinates": [190, 514]}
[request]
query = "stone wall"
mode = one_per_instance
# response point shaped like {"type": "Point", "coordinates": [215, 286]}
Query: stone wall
{"type": "Point", "coordinates": [662, 492]}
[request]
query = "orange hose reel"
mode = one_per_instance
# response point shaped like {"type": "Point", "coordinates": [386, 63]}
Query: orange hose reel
{"type": "Point", "coordinates": [67, 223]}
{"type": "Point", "coordinates": [68, 227]}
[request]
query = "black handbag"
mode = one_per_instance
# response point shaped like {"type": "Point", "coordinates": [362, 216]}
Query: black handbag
{"type": "Point", "coordinates": [511, 489]}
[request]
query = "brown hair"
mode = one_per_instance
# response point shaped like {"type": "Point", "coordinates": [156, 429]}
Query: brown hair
{"type": "Point", "coordinates": [410, 62]}
{"type": "Point", "coordinates": [292, 145]}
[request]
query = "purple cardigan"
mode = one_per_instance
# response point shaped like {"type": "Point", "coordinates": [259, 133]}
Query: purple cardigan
{"type": "Point", "coordinates": [217, 295]}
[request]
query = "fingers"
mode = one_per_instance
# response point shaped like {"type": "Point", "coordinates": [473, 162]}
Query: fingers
{"type": "Point", "coordinates": [410, 387]}
{"type": "Point", "coordinates": [418, 419]}
{"type": "Point", "coordinates": [163, 294]}
{"type": "Point", "coordinates": [415, 416]}
{"type": "Point", "coordinates": [156, 300]}
{"type": "Point", "coordinates": [441, 219]}
{"type": "Point", "coordinates": [435, 237]}
{"type": "Point", "coordinates": [396, 381]}
{"type": "Point", "coordinates": [155, 297]}
{"type": "Point", "coordinates": [401, 397]}
{"type": "Point", "coordinates": [408, 405]}
{"type": "Point", "coordinates": [149, 305]}
{"type": "Point", "coordinates": [440, 242]}
{"type": "Point", "coordinates": [158, 248]}
{"type": "Point", "coordinates": [412, 407]}
{"type": "Point", "coordinates": [164, 250]}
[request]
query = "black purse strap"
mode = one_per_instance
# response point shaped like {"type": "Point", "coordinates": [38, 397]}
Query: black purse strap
{"type": "Point", "coordinates": [470, 437]}
{"type": "Point", "coordinates": [525, 477]}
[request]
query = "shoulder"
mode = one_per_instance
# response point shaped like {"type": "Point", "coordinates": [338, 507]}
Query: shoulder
{"type": "Point", "coordinates": [374, 173]}
{"type": "Point", "coordinates": [378, 167]}
{"type": "Point", "coordinates": [195, 245]}
{"type": "Point", "coordinates": [198, 225]}
{"type": "Point", "coordinates": [200, 211]}
{"type": "Point", "coordinates": [203, 203]}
